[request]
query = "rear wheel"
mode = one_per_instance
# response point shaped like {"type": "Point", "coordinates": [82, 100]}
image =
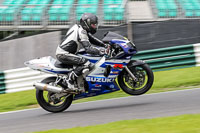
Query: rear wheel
{"type": "Point", "coordinates": [53, 102]}
{"type": "Point", "coordinates": [144, 76]}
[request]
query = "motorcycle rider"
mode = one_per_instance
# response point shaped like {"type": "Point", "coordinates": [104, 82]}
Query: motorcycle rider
{"type": "Point", "coordinates": [77, 37]}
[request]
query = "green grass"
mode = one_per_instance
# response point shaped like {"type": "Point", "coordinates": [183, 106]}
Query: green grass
{"type": "Point", "coordinates": [17, 101]}
{"type": "Point", "coordinates": [177, 79]}
{"type": "Point", "coordinates": [176, 124]}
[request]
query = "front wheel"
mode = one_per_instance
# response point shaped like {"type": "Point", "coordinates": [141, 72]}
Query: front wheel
{"type": "Point", "coordinates": [53, 102]}
{"type": "Point", "coordinates": [144, 76]}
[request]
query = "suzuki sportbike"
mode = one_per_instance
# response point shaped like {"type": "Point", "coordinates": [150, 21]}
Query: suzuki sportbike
{"type": "Point", "coordinates": [109, 74]}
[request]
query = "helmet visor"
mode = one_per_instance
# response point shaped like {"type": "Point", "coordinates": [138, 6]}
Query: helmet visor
{"type": "Point", "coordinates": [94, 26]}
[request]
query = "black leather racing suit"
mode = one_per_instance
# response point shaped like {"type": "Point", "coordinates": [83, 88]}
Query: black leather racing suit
{"type": "Point", "coordinates": [76, 39]}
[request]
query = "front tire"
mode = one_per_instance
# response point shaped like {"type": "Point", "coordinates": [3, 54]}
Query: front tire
{"type": "Point", "coordinates": [43, 98]}
{"type": "Point", "coordinates": [145, 78]}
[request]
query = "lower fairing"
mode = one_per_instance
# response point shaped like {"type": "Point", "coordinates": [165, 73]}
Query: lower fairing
{"type": "Point", "coordinates": [99, 84]}
{"type": "Point", "coordinates": [98, 89]}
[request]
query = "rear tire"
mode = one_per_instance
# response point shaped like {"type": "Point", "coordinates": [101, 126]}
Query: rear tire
{"type": "Point", "coordinates": [144, 75]}
{"type": "Point", "coordinates": [51, 107]}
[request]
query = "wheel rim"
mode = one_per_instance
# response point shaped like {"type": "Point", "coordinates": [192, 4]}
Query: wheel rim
{"type": "Point", "coordinates": [140, 74]}
{"type": "Point", "coordinates": [51, 99]}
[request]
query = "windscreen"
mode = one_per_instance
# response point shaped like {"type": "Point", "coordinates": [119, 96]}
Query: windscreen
{"type": "Point", "coordinates": [111, 35]}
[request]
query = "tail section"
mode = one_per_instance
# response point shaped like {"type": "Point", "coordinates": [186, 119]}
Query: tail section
{"type": "Point", "coordinates": [48, 65]}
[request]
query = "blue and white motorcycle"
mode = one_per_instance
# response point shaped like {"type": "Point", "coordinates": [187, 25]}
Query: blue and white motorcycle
{"type": "Point", "coordinates": [110, 74]}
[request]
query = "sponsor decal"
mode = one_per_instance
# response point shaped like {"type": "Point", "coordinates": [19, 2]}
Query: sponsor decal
{"type": "Point", "coordinates": [112, 86]}
{"type": "Point", "coordinates": [93, 79]}
{"type": "Point", "coordinates": [118, 66]}
{"type": "Point", "coordinates": [124, 45]}
{"type": "Point", "coordinates": [91, 94]}
{"type": "Point", "coordinates": [97, 85]}
{"type": "Point", "coordinates": [125, 38]}
{"type": "Point", "coordinates": [95, 89]}
{"type": "Point", "coordinates": [40, 65]}
{"type": "Point", "coordinates": [115, 72]}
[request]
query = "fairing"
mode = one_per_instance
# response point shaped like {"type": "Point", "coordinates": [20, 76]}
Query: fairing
{"type": "Point", "coordinates": [97, 83]}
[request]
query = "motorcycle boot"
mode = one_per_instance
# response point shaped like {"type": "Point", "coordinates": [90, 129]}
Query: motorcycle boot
{"type": "Point", "coordinates": [87, 69]}
{"type": "Point", "coordinates": [70, 81]}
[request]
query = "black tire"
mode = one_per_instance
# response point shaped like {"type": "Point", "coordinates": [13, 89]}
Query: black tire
{"type": "Point", "coordinates": [46, 105]}
{"type": "Point", "coordinates": [135, 91]}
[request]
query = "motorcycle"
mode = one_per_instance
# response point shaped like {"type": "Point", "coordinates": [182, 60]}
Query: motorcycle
{"type": "Point", "coordinates": [109, 74]}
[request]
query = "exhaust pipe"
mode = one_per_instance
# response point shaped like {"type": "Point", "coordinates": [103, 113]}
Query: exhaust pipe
{"type": "Point", "coordinates": [46, 87]}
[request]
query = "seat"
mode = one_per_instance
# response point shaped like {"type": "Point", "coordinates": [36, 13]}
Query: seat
{"type": "Point", "coordinates": [89, 6]}
{"type": "Point", "coordinates": [191, 8]}
{"type": "Point", "coordinates": [108, 17]}
{"type": "Point", "coordinates": [8, 12]}
{"type": "Point", "coordinates": [59, 64]}
{"type": "Point", "coordinates": [60, 12]}
{"type": "Point", "coordinates": [166, 8]}
{"type": "Point", "coordinates": [113, 10]}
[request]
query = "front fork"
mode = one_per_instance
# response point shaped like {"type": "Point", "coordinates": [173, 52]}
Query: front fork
{"type": "Point", "coordinates": [133, 63]}
{"type": "Point", "coordinates": [131, 74]}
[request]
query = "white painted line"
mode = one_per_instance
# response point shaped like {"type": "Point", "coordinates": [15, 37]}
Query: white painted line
{"type": "Point", "coordinates": [18, 111]}
{"type": "Point", "coordinates": [139, 95]}
{"type": "Point", "coordinates": [108, 99]}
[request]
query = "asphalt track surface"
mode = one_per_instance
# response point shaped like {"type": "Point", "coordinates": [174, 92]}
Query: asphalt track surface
{"type": "Point", "coordinates": [104, 111]}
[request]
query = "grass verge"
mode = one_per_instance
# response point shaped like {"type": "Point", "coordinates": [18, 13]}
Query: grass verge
{"type": "Point", "coordinates": [177, 79]}
{"type": "Point", "coordinates": [176, 124]}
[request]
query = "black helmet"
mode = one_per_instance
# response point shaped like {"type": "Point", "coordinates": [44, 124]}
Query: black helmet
{"type": "Point", "coordinates": [89, 22]}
